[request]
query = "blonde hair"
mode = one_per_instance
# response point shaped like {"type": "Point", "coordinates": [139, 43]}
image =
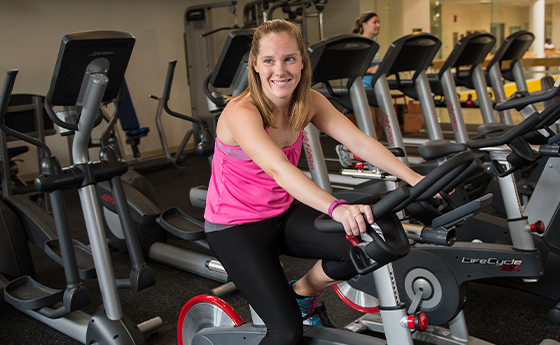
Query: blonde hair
{"type": "Point", "coordinates": [300, 106]}
{"type": "Point", "coordinates": [358, 29]}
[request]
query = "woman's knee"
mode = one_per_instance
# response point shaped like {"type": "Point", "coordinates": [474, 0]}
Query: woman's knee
{"type": "Point", "coordinates": [343, 269]}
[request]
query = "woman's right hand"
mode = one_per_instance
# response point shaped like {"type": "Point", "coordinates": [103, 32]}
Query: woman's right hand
{"type": "Point", "coordinates": [351, 217]}
{"type": "Point", "coordinates": [372, 70]}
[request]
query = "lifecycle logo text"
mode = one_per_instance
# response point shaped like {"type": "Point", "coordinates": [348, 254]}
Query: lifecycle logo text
{"type": "Point", "coordinates": [504, 264]}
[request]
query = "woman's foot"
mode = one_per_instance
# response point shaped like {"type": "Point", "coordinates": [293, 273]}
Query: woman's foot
{"type": "Point", "coordinates": [344, 156]}
{"type": "Point", "coordinates": [311, 313]}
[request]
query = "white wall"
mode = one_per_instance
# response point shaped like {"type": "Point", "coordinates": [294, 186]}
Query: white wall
{"type": "Point", "coordinates": [390, 18]}
{"type": "Point", "coordinates": [399, 18]}
{"type": "Point", "coordinates": [416, 16]}
{"type": "Point", "coordinates": [340, 15]}
{"type": "Point", "coordinates": [461, 18]}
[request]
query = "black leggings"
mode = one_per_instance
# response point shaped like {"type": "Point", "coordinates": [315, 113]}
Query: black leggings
{"type": "Point", "coordinates": [249, 253]}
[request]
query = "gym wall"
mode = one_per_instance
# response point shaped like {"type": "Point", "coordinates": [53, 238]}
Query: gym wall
{"type": "Point", "coordinates": [31, 32]}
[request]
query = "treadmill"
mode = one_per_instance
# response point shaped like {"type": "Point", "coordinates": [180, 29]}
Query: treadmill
{"type": "Point", "coordinates": [512, 49]}
{"type": "Point", "coordinates": [342, 57]}
{"type": "Point", "coordinates": [467, 58]}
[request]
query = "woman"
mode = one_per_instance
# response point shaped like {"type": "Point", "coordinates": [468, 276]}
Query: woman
{"type": "Point", "coordinates": [251, 212]}
{"type": "Point", "coordinates": [366, 25]}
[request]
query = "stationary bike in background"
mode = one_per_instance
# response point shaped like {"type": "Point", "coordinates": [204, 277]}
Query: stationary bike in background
{"type": "Point", "coordinates": [209, 320]}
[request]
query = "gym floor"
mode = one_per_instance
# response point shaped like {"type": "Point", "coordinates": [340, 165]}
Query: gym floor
{"type": "Point", "coordinates": [495, 314]}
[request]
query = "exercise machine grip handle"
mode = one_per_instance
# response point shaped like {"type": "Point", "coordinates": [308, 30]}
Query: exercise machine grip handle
{"type": "Point", "coordinates": [169, 79]}
{"type": "Point", "coordinates": [7, 91]}
{"type": "Point", "coordinates": [166, 93]}
{"type": "Point", "coordinates": [520, 102]}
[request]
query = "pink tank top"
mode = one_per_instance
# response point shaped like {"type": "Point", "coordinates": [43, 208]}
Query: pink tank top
{"type": "Point", "coordinates": [240, 191]}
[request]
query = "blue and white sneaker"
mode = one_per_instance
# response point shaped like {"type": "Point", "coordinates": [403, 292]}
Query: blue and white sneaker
{"type": "Point", "coordinates": [344, 156]}
{"type": "Point", "coordinates": [311, 313]}
{"type": "Point", "coordinates": [319, 317]}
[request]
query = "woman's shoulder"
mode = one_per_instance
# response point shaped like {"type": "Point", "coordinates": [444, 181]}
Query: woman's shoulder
{"type": "Point", "coordinates": [240, 110]}
{"type": "Point", "coordinates": [242, 105]}
{"type": "Point", "coordinates": [319, 104]}
{"type": "Point", "coordinates": [238, 118]}
{"type": "Point", "coordinates": [317, 100]}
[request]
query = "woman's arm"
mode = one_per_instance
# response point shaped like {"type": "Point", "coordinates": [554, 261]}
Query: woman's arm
{"type": "Point", "coordinates": [334, 124]}
{"type": "Point", "coordinates": [241, 125]}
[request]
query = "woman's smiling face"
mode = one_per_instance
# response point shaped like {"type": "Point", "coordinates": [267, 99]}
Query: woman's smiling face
{"type": "Point", "coordinates": [279, 66]}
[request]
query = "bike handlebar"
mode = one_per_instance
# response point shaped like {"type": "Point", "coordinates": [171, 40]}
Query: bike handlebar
{"type": "Point", "coordinates": [525, 101]}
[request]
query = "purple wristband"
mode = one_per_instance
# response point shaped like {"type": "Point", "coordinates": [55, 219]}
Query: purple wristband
{"type": "Point", "coordinates": [335, 204]}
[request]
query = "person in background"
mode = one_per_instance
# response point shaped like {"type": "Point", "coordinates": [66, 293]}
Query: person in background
{"type": "Point", "coordinates": [366, 25]}
{"type": "Point", "coordinates": [260, 204]}
{"type": "Point", "coordinates": [548, 44]}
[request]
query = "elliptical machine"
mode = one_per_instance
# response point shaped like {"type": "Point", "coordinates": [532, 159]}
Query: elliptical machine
{"type": "Point", "coordinates": [97, 61]}
{"type": "Point", "coordinates": [152, 225]}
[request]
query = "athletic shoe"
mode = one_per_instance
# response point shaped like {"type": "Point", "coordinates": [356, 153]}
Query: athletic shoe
{"type": "Point", "coordinates": [319, 317]}
{"type": "Point", "coordinates": [344, 156]}
{"type": "Point", "coordinates": [312, 314]}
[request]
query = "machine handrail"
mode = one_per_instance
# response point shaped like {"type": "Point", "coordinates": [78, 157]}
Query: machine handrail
{"type": "Point", "coordinates": [504, 136]}
{"type": "Point", "coordinates": [205, 145]}
{"type": "Point", "coordinates": [4, 101]}
{"type": "Point", "coordinates": [166, 92]}
{"type": "Point", "coordinates": [524, 101]}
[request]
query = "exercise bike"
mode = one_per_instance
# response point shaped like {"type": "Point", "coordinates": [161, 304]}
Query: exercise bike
{"type": "Point", "coordinates": [209, 320]}
{"type": "Point", "coordinates": [435, 277]}
{"type": "Point", "coordinates": [541, 210]}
